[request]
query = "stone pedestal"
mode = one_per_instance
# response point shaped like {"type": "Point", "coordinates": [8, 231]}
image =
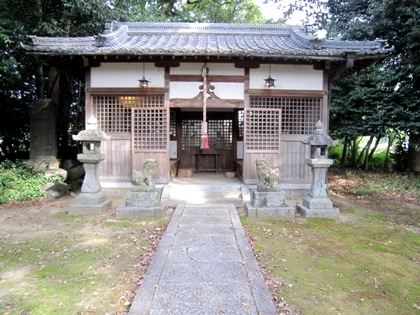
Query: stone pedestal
{"type": "Point", "coordinates": [317, 203]}
{"type": "Point", "coordinates": [269, 204]}
{"type": "Point", "coordinates": [91, 162]}
{"type": "Point", "coordinates": [141, 203]}
{"type": "Point", "coordinates": [90, 203]}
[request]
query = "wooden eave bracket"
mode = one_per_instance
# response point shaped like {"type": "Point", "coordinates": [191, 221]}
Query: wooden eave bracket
{"type": "Point", "coordinates": [348, 64]}
{"type": "Point", "coordinates": [211, 103]}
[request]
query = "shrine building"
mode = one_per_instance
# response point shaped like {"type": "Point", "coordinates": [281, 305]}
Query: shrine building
{"type": "Point", "coordinates": [259, 88]}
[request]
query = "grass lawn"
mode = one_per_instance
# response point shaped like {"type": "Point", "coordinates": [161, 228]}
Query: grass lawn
{"type": "Point", "coordinates": [368, 262]}
{"type": "Point", "coordinates": [52, 263]}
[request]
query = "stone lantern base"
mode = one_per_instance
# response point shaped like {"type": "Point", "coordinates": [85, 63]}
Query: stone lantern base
{"type": "Point", "coordinates": [90, 203]}
{"type": "Point", "coordinates": [269, 204]}
{"type": "Point", "coordinates": [318, 208]}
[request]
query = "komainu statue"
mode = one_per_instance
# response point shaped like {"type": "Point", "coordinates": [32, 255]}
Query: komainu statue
{"type": "Point", "coordinates": [145, 179]}
{"type": "Point", "coordinates": [268, 178]}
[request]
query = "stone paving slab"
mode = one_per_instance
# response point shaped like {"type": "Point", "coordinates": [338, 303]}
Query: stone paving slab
{"type": "Point", "coordinates": [187, 239]}
{"type": "Point", "coordinates": [205, 299]}
{"type": "Point", "coordinates": [190, 220]}
{"type": "Point", "coordinates": [203, 265]}
{"type": "Point", "coordinates": [205, 254]}
{"type": "Point", "coordinates": [203, 273]}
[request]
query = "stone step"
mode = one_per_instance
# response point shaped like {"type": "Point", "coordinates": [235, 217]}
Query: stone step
{"type": "Point", "coordinates": [201, 195]}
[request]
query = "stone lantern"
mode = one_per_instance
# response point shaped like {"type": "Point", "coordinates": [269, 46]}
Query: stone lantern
{"type": "Point", "coordinates": [317, 203]}
{"type": "Point", "coordinates": [92, 200]}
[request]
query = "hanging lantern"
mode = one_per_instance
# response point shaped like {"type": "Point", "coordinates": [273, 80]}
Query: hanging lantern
{"type": "Point", "coordinates": [269, 82]}
{"type": "Point", "coordinates": [143, 82]}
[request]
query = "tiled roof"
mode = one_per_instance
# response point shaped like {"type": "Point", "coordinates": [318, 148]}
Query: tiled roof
{"type": "Point", "coordinates": [204, 39]}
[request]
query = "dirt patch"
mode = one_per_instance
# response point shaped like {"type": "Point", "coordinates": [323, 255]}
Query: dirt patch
{"type": "Point", "coordinates": [31, 217]}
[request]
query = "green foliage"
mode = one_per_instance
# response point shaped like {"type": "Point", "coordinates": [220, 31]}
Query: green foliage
{"type": "Point", "coordinates": [21, 182]}
{"type": "Point", "coordinates": [232, 11]}
{"type": "Point", "coordinates": [378, 160]}
{"type": "Point", "coordinates": [335, 152]}
{"type": "Point", "coordinates": [385, 96]}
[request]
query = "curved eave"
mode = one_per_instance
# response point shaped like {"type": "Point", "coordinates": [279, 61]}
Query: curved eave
{"type": "Point", "coordinates": [326, 56]}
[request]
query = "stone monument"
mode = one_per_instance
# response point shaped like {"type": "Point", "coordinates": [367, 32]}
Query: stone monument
{"type": "Point", "coordinates": [92, 200]}
{"type": "Point", "coordinates": [268, 200]}
{"type": "Point", "coordinates": [317, 203]}
{"type": "Point", "coordinates": [143, 200]}
{"type": "Point", "coordinates": [43, 145]}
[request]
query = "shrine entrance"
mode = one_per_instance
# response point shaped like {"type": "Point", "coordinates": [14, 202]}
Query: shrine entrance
{"type": "Point", "coordinates": [223, 135]}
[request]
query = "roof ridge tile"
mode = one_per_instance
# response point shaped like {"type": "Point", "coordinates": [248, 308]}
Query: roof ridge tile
{"type": "Point", "coordinates": [204, 39]}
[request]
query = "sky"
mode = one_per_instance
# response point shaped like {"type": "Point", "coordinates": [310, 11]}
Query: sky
{"type": "Point", "coordinates": [271, 10]}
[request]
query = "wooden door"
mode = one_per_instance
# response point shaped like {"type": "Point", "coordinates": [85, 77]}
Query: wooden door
{"type": "Point", "coordinates": [262, 131]}
{"type": "Point", "coordinates": [150, 136]}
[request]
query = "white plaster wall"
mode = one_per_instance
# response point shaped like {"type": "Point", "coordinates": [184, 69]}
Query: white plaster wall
{"type": "Point", "coordinates": [123, 75]}
{"type": "Point", "coordinates": [184, 89]}
{"type": "Point", "coordinates": [214, 69]}
{"type": "Point", "coordinates": [288, 77]}
{"type": "Point", "coordinates": [191, 89]}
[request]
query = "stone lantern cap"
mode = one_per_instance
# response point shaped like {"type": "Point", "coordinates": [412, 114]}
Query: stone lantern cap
{"type": "Point", "coordinates": [319, 138]}
{"type": "Point", "coordinates": [91, 134]}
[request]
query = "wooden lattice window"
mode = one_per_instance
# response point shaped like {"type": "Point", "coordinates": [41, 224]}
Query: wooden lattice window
{"type": "Point", "coordinates": [114, 112]}
{"type": "Point", "coordinates": [299, 115]}
{"type": "Point", "coordinates": [191, 134]}
{"type": "Point", "coordinates": [262, 132]}
{"type": "Point", "coordinates": [220, 134]}
{"type": "Point", "coordinates": [112, 116]}
{"type": "Point", "coordinates": [142, 101]}
{"type": "Point", "coordinates": [150, 130]}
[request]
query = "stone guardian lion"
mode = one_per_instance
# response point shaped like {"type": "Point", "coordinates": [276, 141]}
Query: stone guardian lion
{"type": "Point", "coordinates": [268, 178]}
{"type": "Point", "coordinates": [144, 179]}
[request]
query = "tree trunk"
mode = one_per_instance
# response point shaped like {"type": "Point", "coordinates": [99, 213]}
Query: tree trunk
{"type": "Point", "coordinates": [344, 153]}
{"type": "Point", "coordinates": [387, 164]}
{"type": "Point", "coordinates": [353, 157]}
{"type": "Point", "coordinates": [414, 153]}
{"type": "Point", "coordinates": [370, 155]}
{"type": "Point", "coordinates": [66, 97]}
{"type": "Point", "coordinates": [365, 150]}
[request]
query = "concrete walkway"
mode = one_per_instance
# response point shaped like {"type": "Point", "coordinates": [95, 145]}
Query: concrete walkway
{"type": "Point", "coordinates": [203, 265]}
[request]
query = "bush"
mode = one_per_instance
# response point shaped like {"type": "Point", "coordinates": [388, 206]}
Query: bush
{"type": "Point", "coordinates": [21, 182]}
{"type": "Point", "coordinates": [400, 155]}
{"type": "Point", "coordinates": [378, 161]}
{"type": "Point", "coordinates": [335, 152]}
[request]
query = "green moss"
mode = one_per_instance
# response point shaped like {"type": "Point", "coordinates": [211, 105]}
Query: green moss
{"type": "Point", "coordinates": [362, 267]}
{"type": "Point", "coordinates": [84, 266]}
